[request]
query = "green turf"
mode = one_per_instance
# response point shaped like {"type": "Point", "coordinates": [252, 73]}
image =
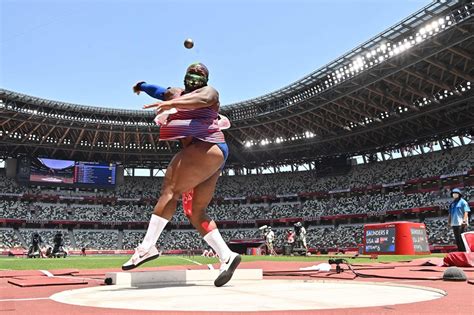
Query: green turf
{"type": "Point", "coordinates": [98, 262]}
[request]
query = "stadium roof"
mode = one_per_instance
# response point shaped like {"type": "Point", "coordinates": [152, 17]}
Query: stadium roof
{"type": "Point", "coordinates": [409, 84]}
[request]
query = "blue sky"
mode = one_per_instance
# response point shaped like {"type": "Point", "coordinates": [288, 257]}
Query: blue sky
{"type": "Point", "coordinates": [91, 52]}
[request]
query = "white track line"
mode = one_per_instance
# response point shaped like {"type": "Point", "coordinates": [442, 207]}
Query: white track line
{"type": "Point", "coordinates": [25, 299]}
{"type": "Point", "coordinates": [193, 261]}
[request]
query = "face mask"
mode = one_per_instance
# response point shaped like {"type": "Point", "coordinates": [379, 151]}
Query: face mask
{"type": "Point", "coordinates": [196, 77]}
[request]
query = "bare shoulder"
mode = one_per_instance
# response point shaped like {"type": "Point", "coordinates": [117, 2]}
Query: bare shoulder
{"type": "Point", "coordinates": [211, 95]}
{"type": "Point", "coordinates": [210, 90]}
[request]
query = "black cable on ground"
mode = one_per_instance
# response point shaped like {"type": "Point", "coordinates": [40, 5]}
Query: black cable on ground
{"type": "Point", "coordinates": [356, 272]}
{"type": "Point", "coordinates": [366, 275]}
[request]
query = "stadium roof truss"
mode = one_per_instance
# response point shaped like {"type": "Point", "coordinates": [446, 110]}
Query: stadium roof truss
{"type": "Point", "coordinates": [409, 84]}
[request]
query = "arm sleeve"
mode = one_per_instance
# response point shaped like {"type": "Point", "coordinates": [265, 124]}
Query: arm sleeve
{"type": "Point", "coordinates": [154, 91]}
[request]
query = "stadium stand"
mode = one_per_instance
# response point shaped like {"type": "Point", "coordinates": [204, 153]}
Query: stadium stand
{"type": "Point", "coordinates": [8, 239]}
{"type": "Point", "coordinates": [348, 202]}
{"type": "Point", "coordinates": [96, 239]}
{"type": "Point", "coordinates": [455, 160]}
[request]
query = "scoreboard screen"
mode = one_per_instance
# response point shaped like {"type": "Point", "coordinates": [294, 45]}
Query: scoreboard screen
{"type": "Point", "coordinates": [51, 171]}
{"type": "Point", "coordinates": [94, 173]}
{"type": "Point", "coordinates": [380, 240]}
{"type": "Point", "coordinates": [399, 238]}
{"type": "Point", "coordinates": [420, 241]}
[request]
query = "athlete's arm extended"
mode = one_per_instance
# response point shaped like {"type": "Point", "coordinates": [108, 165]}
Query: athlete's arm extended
{"type": "Point", "coordinates": [204, 97]}
{"type": "Point", "coordinates": [154, 91]}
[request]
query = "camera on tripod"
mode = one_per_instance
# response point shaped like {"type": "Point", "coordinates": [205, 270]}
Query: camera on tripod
{"type": "Point", "coordinates": [299, 245]}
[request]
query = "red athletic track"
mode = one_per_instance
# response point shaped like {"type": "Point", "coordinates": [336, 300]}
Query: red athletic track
{"type": "Point", "coordinates": [459, 299]}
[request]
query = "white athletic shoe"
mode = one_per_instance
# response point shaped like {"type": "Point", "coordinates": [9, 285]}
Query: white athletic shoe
{"type": "Point", "coordinates": [140, 256]}
{"type": "Point", "coordinates": [227, 269]}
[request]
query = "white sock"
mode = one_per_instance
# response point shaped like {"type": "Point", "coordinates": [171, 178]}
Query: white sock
{"type": "Point", "coordinates": [215, 240]}
{"type": "Point", "coordinates": [155, 227]}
